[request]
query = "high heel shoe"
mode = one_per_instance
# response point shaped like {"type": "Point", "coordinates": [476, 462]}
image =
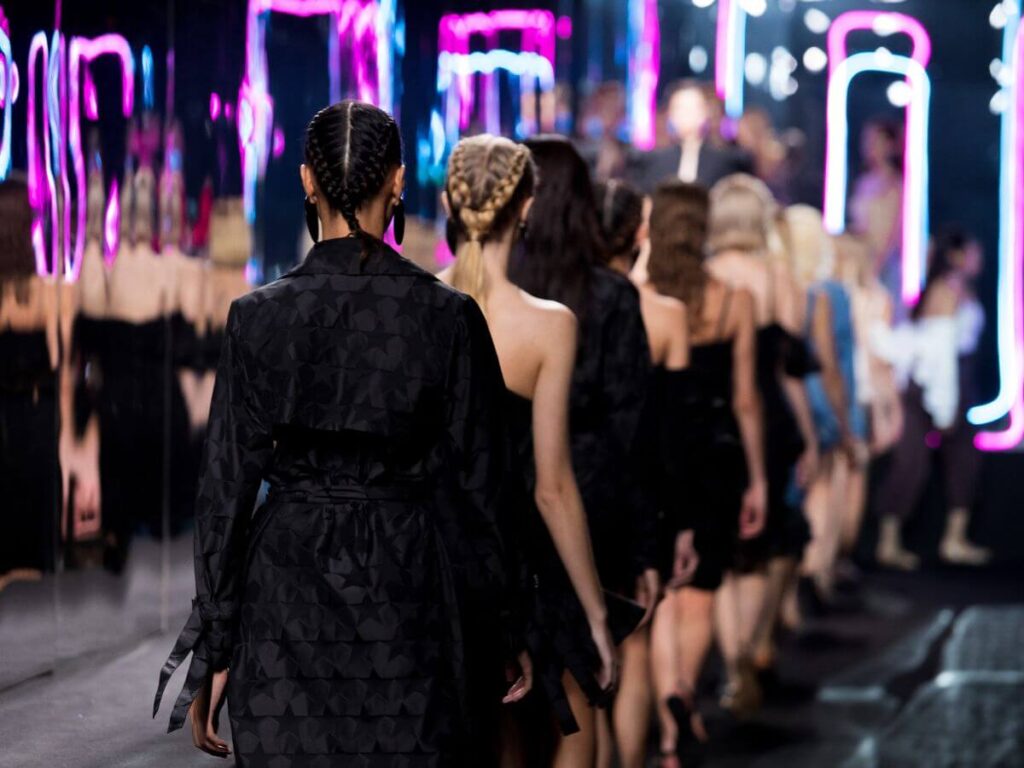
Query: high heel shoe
{"type": "Point", "coordinates": [692, 735]}
{"type": "Point", "coordinates": [743, 696]}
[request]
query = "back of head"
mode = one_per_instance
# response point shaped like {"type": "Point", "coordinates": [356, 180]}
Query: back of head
{"type": "Point", "coordinates": [17, 257]}
{"type": "Point", "coordinates": [679, 225]}
{"type": "Point", "coordinates": [811, 250]}
{"type": "Point", "coordinates": [351, 147]}
{"type": "Point", "coordinates": [621, 214]}
{"type": "Point", "coordinates": [561, 245]}
{"type": "Point", "coordinates": [489, 180]}
{"type": "Point", "coordinates": [742, 208]}
{"type": "Point", "coordinates": [230, 237]}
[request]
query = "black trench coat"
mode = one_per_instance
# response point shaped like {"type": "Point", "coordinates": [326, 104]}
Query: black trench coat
{"type": "Point", "coordinates": [365, 610]}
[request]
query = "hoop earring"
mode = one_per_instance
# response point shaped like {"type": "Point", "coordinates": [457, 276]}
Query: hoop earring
{"type": "Point", "coordinates": [312, 220]}
{"type": "Point", "coordinates": [398, 221]}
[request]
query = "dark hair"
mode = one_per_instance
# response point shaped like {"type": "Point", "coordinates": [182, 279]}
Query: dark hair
{"type": "Point", "coordinates": [17, 257]}
{"type": "Point", "coordinates": [351, 147]}
{"type": "Point", "coordinates": [679, 229]}
{"type": "Point", "coordinates": [620, 213]}
{"type": "Point", "coordinates": [893, 132]}
{"type": "Point", "coordinates": [561, 244]}
{"type": "Point", "coordinates": [946, 244]}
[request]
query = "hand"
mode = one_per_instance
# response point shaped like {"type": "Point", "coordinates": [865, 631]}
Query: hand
{"type": "Point", "coordinates": [80, 459]}
{"type": "Point", "coordinates": [807, 467]}
{"type": "Point", "coordinates": [205, 711]}
{"type": "Point", "coordinates": [686, 560]}
{"type": "Point", "coordinates": [523, 683]}
{"type": "Point", "coordinates": [608, 674]}
{"type": "Point", "coordinates": [856, 451]}
{"type": "Point", "coordinates": [752, 510]}
{"type": "Point", "coordinates": [648, 585]}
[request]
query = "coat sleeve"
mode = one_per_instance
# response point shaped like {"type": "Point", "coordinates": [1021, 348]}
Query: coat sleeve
{"type": "Point", "coordinates": [627, 379]}
{"type": "Point", "coordinates": [482, 475]}
{"type": "Point", "coordinates": [238, 448]}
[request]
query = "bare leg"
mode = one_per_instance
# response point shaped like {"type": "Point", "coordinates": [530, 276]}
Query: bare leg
{"type": "Point", "coordinates": [512, 753]}
{"type": "Point", "coordinates": [737, 606]}
{"type": "Point", "coordinates": [857, 491]}
{"type": "Point", "coordinates": [665, 663]}
{"type": "Point", "coordinates": [580, 749]}
{"type": "Point", "coordinates": [781, 571]}
{"type": "Point", "coordinates": [824, 507]}
{"type": "Point", "coordinates": [605, 742]}
{"type": "Point", "coordinates": [632, 712]}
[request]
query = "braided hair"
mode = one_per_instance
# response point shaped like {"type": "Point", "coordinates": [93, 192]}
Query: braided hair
{"type": "Point", "coordinates": [621, 214]}
{"type": "Point", "coordinates": [351, 147]}
{"type": "Point", "coordinates": [489, 179]}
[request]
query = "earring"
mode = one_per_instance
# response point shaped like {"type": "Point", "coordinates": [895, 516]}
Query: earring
{"type": "Point", "coordinates": [398, 221]}
{"type": "Point", "coordinates": [312, 219]}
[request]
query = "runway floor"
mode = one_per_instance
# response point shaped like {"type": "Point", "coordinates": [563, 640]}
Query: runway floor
{"type": "Point", "coordinates": [925, 670]}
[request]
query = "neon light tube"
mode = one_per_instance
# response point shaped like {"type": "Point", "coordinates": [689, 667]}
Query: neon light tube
{"type": "Point", "coordinates": [1010, 340]}
{"type": "Point", "coordinates": [730, 49]}
{"type": "Point", "coordinates": [10, 76]}
{"type": "Point", "coordinates": [915, 185]}
{"type": "Point", "coordinates": [1010, 282]}
{"type": "Point", "coordinates": [86, 50]}
{"type": "Point", "coordinates": [361, 21]}
{"type": "Point", "coordinates": [883, 23]}
{"type": "Point", "coordinates": [644, 66]}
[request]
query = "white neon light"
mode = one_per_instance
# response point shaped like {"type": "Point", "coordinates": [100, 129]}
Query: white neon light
{"type": "Point", "coordinates": [915, 188]}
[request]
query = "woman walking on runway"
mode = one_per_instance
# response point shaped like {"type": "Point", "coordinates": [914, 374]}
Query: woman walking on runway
{"type": "Point", "coordinates": [488, 197]}
{"type": "Point", "coordinates": [363, 610]}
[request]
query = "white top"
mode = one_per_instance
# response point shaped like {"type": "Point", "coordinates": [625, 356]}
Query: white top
{"type": "Point", "coordinates": [925, 352]}
{"type": "Point", "coordinates": [970, 322]}
{"type": "Point", "coordinates": [689, 160]}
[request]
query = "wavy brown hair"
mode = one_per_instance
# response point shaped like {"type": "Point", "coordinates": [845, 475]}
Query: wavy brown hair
{"type": "Point", "coordinates": [17, 258]}
{"type": "Point", "coordinates": [679, 229]}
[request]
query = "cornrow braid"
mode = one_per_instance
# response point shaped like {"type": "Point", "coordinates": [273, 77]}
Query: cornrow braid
{"type": "Point", "coordinates": [489, 178]}
{"type": "Point", "coordinates": [351, 147]}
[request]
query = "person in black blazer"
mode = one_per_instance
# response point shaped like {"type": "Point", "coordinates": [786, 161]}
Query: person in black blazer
{"type": "Point", "coordinates": [694, 158]}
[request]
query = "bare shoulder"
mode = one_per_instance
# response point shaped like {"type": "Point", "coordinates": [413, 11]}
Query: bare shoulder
{"type": "Point", "coordinates": [545, 310]}
{"type": "Point", "coordinates": [941, 299]}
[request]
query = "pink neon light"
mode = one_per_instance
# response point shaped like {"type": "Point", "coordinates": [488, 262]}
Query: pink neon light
{"type": "Point", "coordinates": [42, 190]}
{"type": "Point", "coordinates": [442, 255]}
{"type": "Point", "coordinates": [644, 66]}
{"type": "Point", "coordinates": [86, 50]}
{"type": "Point", "coordinates": [111, 224]}
{"type": "Point", "coordinates": [539, 32]}
{"type": "Point", "coordinates": [278, 143]}
{"type": "Point", "coordinates": [1014, 432]}
{"type": "Point", "coordinates": [563, 28]}
{"type": "Point", "coordinates": [352, 20]}
{"type": "Point", "coordinates": [215, 105]}
{"type": "Point", "coordinates": [882, 22]}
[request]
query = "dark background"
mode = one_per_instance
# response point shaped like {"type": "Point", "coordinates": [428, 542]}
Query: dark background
{"type": "Point", "coordinates": [208, 37]}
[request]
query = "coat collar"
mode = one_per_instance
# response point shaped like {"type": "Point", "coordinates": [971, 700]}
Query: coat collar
{"type": "Point", "coordinates": [353, 256]}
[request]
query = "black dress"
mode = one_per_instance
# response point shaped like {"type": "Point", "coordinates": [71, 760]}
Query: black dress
{"type": "Point", "coordinates": [557, 631]}
{"type": "Point", "coordinates": [610, 385]}
{"type": "Point", "coordinates": [131, 387]}
{"type": "Point", "coordinates": [717, 476]}
{"type": "Point", "coordinates": [786, 531]}
{"type": "Point", "coordinates": [29, 477]}
{"type": "Point", "coordinates": [364, 610]}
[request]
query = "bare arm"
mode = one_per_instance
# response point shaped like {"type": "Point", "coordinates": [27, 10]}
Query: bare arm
{"type": "Point", "coordinates": [678, 355]}
{"type": "Point", "coordinates": [831, 376]}
{"type": "Point", "coordinates": [746, 401]}
{"type": "Point", "coordinates": [557, 495]}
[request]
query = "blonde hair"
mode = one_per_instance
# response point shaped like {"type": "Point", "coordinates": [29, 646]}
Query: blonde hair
{"type": "Point", "coordinates": [489, 177]}
{"type": "Point", "coordinates": [230, 235]}
{"type": "Point", "coordinates": [811, 249]}
{"type": "Point", "coordinates": [742, 208]}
